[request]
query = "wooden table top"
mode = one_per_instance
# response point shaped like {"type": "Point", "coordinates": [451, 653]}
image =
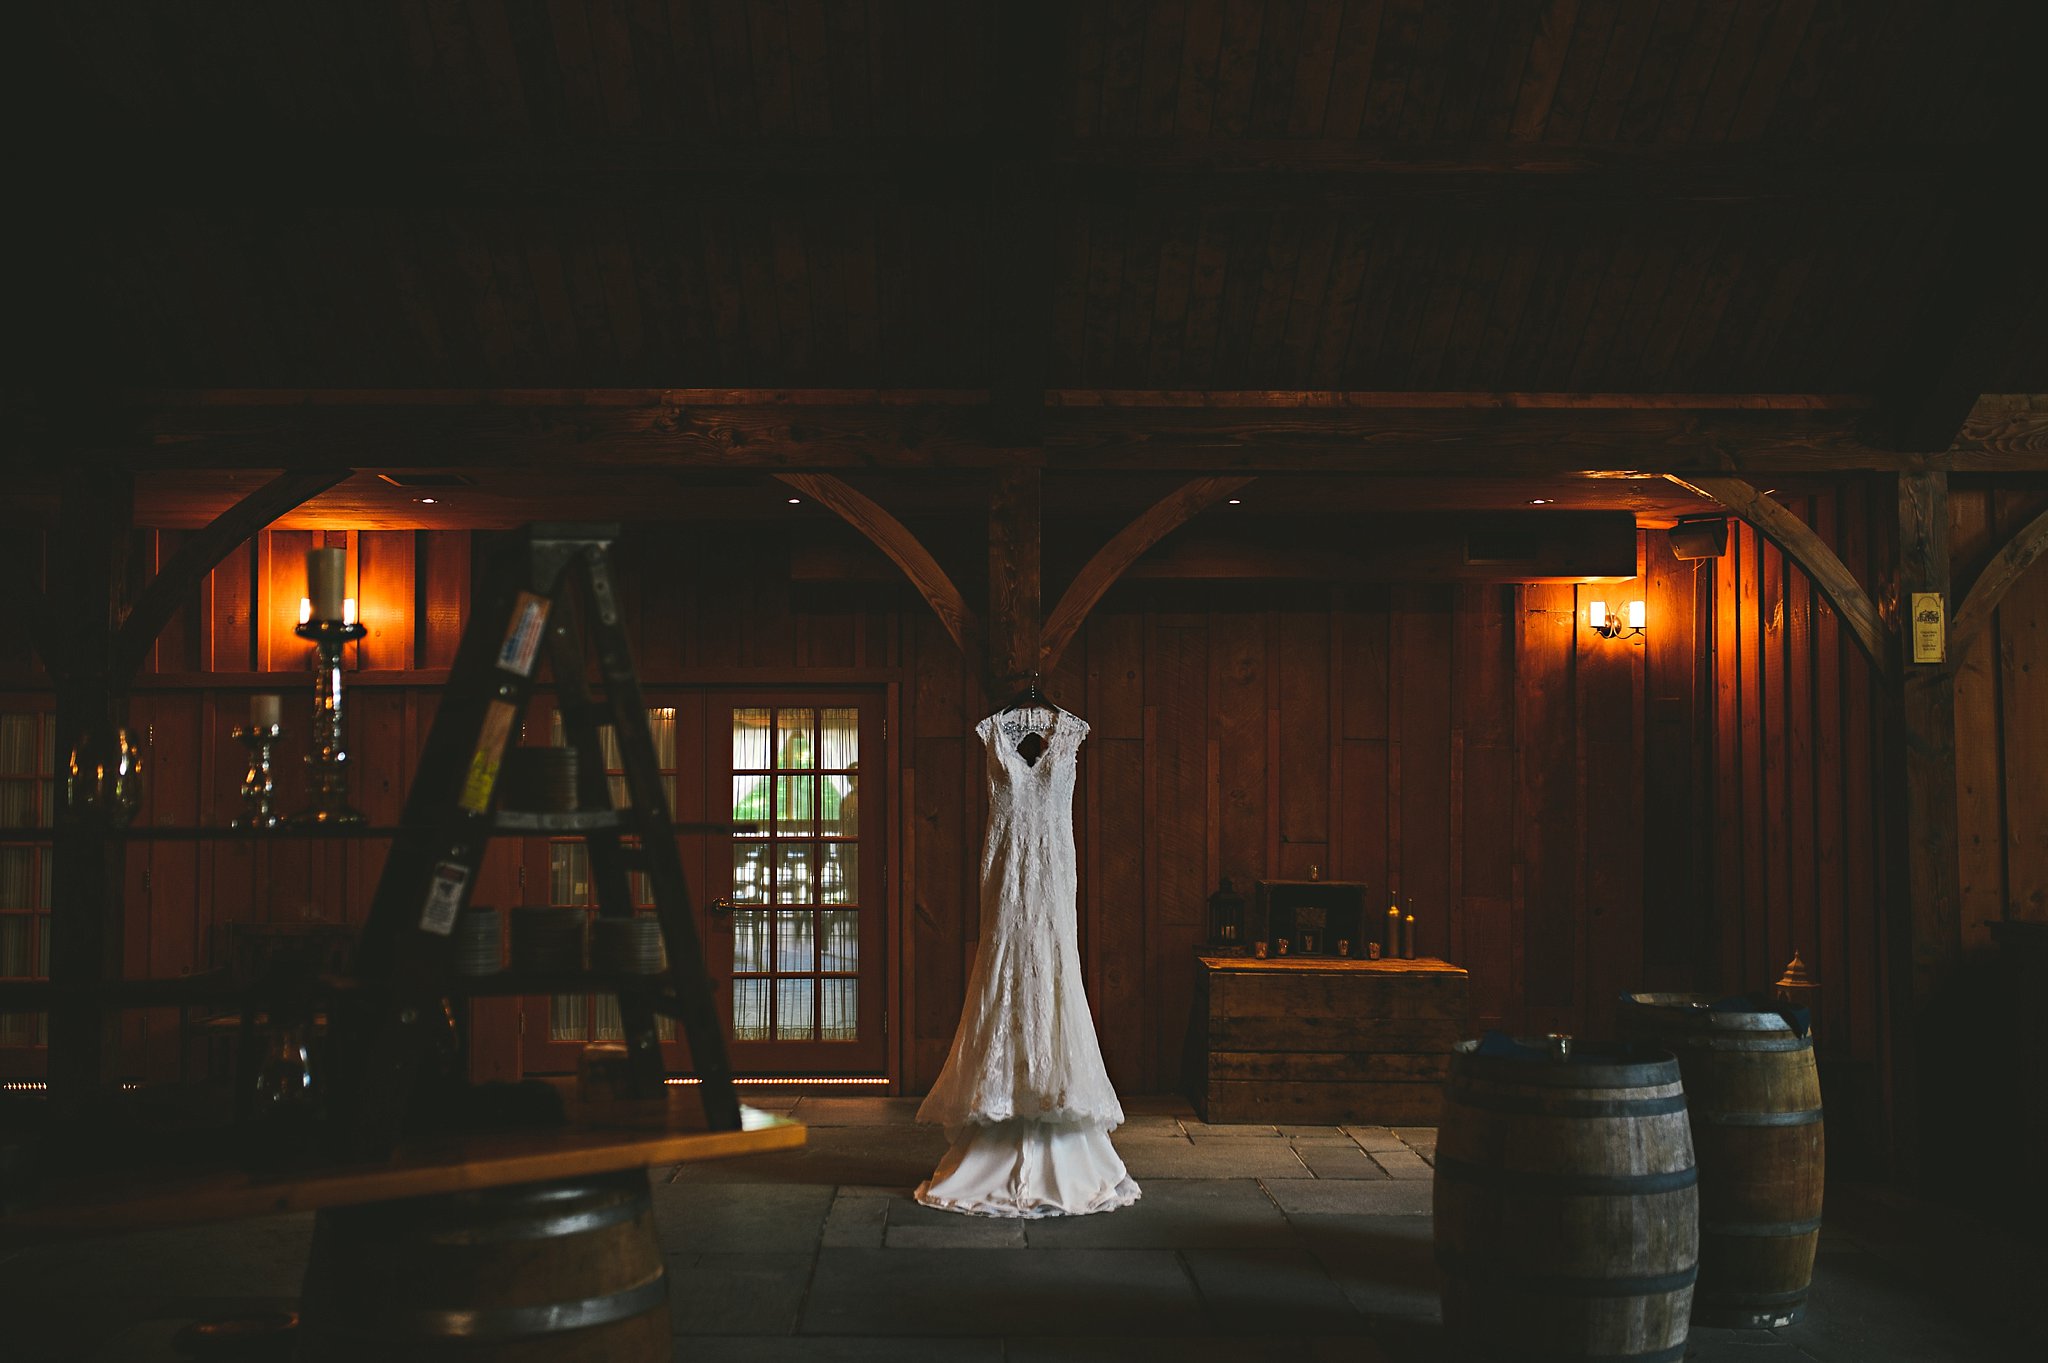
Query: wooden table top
{"type": "Point", "coordinates": [1421, 965]}
{"type": "Point", "coordinates": [598, 1138]}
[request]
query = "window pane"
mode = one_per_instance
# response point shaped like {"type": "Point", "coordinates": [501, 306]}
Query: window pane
{"type": "Point", "coordinates": [749, 739]}
{"type": "Point", "coordinates": [793, 873]}
{"type": "Point", "coordinates": [793, 750]}
{"type": "Point", "coordinates": [662, 719]}
{"type": "Point", "coordinates": [793, 1020]}
{"type": "Point", "coordinates": [565, 1018]}
{"type": "Point", "coordinates": [608, 742]}
{"type": "Point", "coordinates": [750, 873]}
{"type": "Point", "coordinates": [17, 1029]}
{"type": "Point", "coordinates": [606, 1024]}
{"type": "Point", "coordinates": [18, 745]}
{"type": "Point", "coordinates": [17, 804]}
{"type": "Point", "coordinates": [750, 943]}
{"type": "Point", "coordinates": [839, 873]}
{"type": "Point", "coordinates": [842, 942]}
{"type": "Point", "coordinates": [16, 947]}
{"type": "Point", "coordinates": [18, 888]}
{"type": "Point", "coordinates": [750, 1010]}
{"type": "Point", "coordinates": [750, 801]}
{"type": "Point", "coordinates": [838, 738]}
{"type": "Point", "coordinates": [839, 806]}
{"type": "Point", "coordinates": [796, 946]}
{"type": "Point", "coordinates": [621, 797]}
{"type": "Point", "coordinates": [568, 874]}
{"type": "Point", "coordinates": [841, 1000]}
{"type": "Point", "coordinates": [796, 803]}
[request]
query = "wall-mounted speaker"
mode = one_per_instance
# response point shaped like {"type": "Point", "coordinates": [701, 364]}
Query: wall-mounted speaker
{"type": "Point", "coordinates": [1699, 537]}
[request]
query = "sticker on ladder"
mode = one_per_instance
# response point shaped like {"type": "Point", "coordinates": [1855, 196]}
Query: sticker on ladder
{"type": "Point", "coordinates": [489, 755]}
{"type": "Point", "coordinates": [444, 898]}
{"type": "Point", "coordinates": [522, 637]}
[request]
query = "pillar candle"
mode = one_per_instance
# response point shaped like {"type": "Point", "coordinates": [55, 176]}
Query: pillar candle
{"type": "Point", "coordinates": [1408, 938]}
{"type": "Point", "coordinates": [265, 711]}
{"type": "Point", "coordinates": [325, 569]}
{"type": "Point", "coordinates": [1392, 946]}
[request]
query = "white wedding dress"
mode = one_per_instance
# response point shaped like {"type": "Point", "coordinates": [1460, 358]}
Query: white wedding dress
{"type": "Point", "coordinates": [1024, 1096]}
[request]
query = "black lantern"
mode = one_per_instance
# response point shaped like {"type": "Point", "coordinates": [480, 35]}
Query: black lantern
{"type": "Point", "coordinates": [1226, 917]}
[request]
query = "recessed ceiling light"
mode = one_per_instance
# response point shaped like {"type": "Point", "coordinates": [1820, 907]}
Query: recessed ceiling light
{"type": "Point", "coordinates": [796, 501]}
{"type": "Point", "coordinates": [1237, 501]}
{"type": "Point", "coordinates": [1539, 501]}
{"type": "Point", "coordinates": [425, 501]}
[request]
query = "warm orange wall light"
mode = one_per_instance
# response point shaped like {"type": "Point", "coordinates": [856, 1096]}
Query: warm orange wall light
{"type": "Point", "coordinates": [1612, 626]}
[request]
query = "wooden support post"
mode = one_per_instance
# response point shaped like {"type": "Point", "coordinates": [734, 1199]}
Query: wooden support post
{"type": "Point", "coordinates": [1922, 922]}
{"type": "Point", "coordinates": [87, 571]}
{"type": "Point", "coordinates": [1013, 579]}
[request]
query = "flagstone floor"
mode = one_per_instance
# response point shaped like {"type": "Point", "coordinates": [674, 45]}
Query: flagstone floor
{"type": "Point", "coordinates": [1251, 1243]}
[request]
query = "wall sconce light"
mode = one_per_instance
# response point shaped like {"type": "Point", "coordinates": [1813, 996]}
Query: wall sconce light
{"type": "Point", "coordinates": [1611, 626]}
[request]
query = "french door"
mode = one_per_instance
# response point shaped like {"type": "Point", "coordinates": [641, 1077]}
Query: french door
{"type": "Point", "coordinates": [782, 846]}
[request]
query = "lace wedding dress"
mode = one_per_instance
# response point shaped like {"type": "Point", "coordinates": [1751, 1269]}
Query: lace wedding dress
{"type": "Point", "coordinates": [1024, 1096]}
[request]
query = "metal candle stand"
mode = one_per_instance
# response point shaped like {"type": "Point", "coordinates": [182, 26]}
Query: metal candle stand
{"type": "Point", "coordinates": [259, 791]}
{"type": "Point", "coordinates": [327, 761]}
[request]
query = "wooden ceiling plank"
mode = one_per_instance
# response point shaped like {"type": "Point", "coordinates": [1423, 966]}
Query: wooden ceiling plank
{"type": "Point", "coordinates": [1322, 21]}
{"type": "Point", "coordinates": [1107, 231]}
{"type": "Point", "coordinates": [536, 72]}
{"type": "Point", "coordinates": [541, 255]}
{"type": "Point", "coordinates": [1280, 53]}
{"type": "Point", "coordinates": [1356, 237]}
{"type": "Point", "coordinates": [768, 67]}
{"type": "Point", "coordinates": [1351, 68]}
{"type": "Point", "coordinates": [1551, 364]}
{"type": "Point", "coordinates": [1580, 78]}
{"type": "Point", "coordinates": [1123, 56]}
{"type": "Point", "coordinates": [1543, 70]}
{"type": "Point", "coordinates": [1086, 63]}
{"type": "Point", "coordinates": [567, 39]}
{"type": "Point", "coordinates": [1741, 52]}
{"type": "Point", "coordinates": [1171, 291]}
{"type": "Point", "coordinates": [1268, 331]}
{"type": "Point", "coordinates": [810, 80]}
{"type": "Point", "coordinates": [1309, 293]}
{"type": "Point", "coordinates": [1659, 344]}
{"type": "Point", "coordinates": [1369, 318]}
{"type": "Point", "coordinates": [846, 66]}
{"type": "Point", "coordinates": [1474, 304]}
{"type": "Point", "coordinates": [1438, 312]}
{"type": "Point", "coordinates": [1475, 83]}
{"type": "Point", "coordinates": [1386, 95]}
{"type": "Point", "coordinates": [1590, 343]}
{"type": "Point", "coordinates": [1760, 93]}
{"type": "Point", "coordinates": [1237, 67]}
{"type": "Point", "coordinates": [1205, 297]}
{"type": "Point", "coordinates": [1504, 315]}
{"type": "Point", "coordinates": [1194, 104]}
{"type": "Point", "coordinates": [1159, 72]}
{"type": "Point", "coordinates": [611, 43]}
{"type": "Point", "coordinates": [1137, 296]}
{"type": "Point", "coordinates": [1709, 38]}
{"type": "Point", "coordinates": [1665, 49]}
{"type": "Point", "coordinates": [792, 275]}
{"type": "Point", "coordinates": [1620, 68]}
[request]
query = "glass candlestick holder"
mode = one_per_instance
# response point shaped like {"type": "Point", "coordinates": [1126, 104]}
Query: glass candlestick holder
{"type": "Point", "coordinates": [259, 791]}
{"type": "Point", "coordinates": [327, 757]}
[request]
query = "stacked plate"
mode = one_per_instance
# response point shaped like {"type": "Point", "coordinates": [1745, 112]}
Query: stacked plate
{"type": "Point", "coordinates": [547, 941]}
{"type": "Point", "coordinates": [479, 941]}
{"type": "Point", "coordinates": [627, 946]}
{"type": "Point", "coordinates": [541, 780]}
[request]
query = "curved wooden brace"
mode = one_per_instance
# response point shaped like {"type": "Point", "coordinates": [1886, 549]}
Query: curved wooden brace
{"type": "Point", "coordinates": [1126, 547]}
{"type": "Point", "coordinates": [1796, 539]}
{"type": "Point", "coordinates": [894, 539]}
{"type": "Point", "coordinates": [201, 554]}
{"type": "Point", "coordinates": [2007, 566]}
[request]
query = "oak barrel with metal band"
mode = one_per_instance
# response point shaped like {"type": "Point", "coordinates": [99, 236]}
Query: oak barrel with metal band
{"type": "Point", "coordinates": [565, 1270]}
{"type": "Point", "coordinates": [1566, 1205]}
{"type": "Point", "coordinates": [1754, 1095]}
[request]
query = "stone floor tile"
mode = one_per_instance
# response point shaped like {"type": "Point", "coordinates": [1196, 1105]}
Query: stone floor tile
{"type": "Point", "coordinates": [1205, 1131]}
{"type": "Point", "coordinates": [1339, 1161]}
{"type": "Point", "coordinates": [740, 1218]}
{"type": "Point", "coordinates": [1214, 1159]}
{"type": "Point", "coordinates": [1416, 1135]}
{"type": "Point", "coordinates": [1298, 1134]}
{"type": "Point", "coordinates": [945, 1292]}
{"type": "Point", "coordinates": [1275, 1347]}
{"type": "Point", "coordinates": [1403, 1163]}
{"type": "Point", "coordinates": [912, 1225]}
{"type": "Point", "coordinates": [1175, 1214]}
{"type": "Point", "coordinates": [855, 1222]}
{"type": "Point", "coordinates": [870, 1111]}
{"type": "Point", "coordinates": [1252, 1292]}
{"type": "Point", "coordinates": [1375, 1137]}
{"type": "Point", "coordinates": [1354, 1197]}
{"type": "Point", "coordinates": [1709, 1346]}
{"type": "Point", "coordinates": [1148, 1127]}
{"type": "Point", "coordinates": [737, 1294]}
{"type": "Point", "coordinates": [843, 1349]}
{"type": "Point", "coordinates": [1385, 1265]}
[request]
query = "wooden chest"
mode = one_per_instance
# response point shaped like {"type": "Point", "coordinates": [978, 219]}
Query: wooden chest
{"type": "Point", "coordinates": [1325, 1040]}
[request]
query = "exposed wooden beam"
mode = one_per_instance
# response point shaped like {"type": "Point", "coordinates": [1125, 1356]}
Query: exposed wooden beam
{"type": "Point", "coordinates": [1796, 539]}
{"type": "Point", "coordinates": [1129, 544]}
{"type": "Point", "coordinates": [890, 535]}
{"type": "Point", "coordinates": [2006, 567]}
{"type": "Point", "coordinates": [201, 553]}
{"type": "Point", "coordinates": [1433, 434]}
{"type": "Point", "coordinates": [1014, 578]}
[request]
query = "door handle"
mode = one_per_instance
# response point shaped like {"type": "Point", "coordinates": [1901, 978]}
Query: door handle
{"type": "Point", "coordinates": [723, 904]}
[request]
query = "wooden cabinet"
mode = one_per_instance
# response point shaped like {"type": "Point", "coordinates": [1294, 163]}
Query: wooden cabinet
{"type": "Point", "coordinates": [1324, 1040]}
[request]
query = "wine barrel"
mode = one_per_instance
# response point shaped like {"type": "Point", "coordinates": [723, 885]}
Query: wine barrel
{"type": "Point", "coordinates": [1566, 1207]}
{"type": "Point", "coordinates": [568, 1271]}
{"type": "Point", "coordinates": [1754, 1098]}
